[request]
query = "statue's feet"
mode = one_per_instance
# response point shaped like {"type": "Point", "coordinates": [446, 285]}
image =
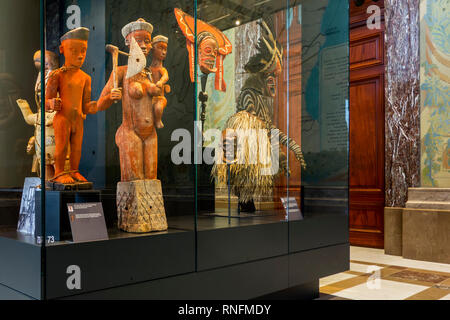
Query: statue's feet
{"type": "Point", "coordinates": [159, 125]}
{"type": "Point", "coordinates": [64, 179]}
{"type": "Point", "coordinates": [78, 177]}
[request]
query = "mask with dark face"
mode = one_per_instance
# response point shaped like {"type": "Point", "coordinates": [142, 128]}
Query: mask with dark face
{"type": "Point", "coordinates": [207, 53]}
{"type": "Point", "coordinates": [271, 86]}
{"type": "Point", "coordinates": [229, 146]}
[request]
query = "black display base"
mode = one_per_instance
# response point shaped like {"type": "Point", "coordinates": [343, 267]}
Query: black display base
{"type": "Point", "coordinates": [222, 259]}
{"type": "Point", "coordinates": [57, 225]}
{"type": "Point", "coordinates": [227, 261]}
{"type": "Point", "coordinates": [262, 279]}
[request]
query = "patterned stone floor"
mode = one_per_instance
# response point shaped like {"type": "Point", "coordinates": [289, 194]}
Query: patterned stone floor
{"type": "Point", "coordinates": [376, 276]}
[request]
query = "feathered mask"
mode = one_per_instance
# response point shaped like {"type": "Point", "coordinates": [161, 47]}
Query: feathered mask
{"type": "Point", "coordinates": [270, 53]}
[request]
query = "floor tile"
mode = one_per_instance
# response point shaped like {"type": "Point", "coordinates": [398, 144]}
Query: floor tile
{"type": "Point", "coordinates": [400, 278]}
{"type": "Point", "coordinates": [330, 297]}
{"type": "Point", "coordinates": [430, 294]}
{"type": "Point", "coordinates": [335, 278]}
{"type": "Point", "coordinates": [344, 284]}
{"type": "Point", "coordinates": [378, 256]}
{"type": "Point", "coordinates": [369, 263]}
{"type": "Point", "coordinates": [356, 273]}
{"type": "Point", "coordinates": [387, 272]}
{"type": "Point", "coordinates": [388, 290]}
{"type": "Point", "coordinates": [445, 283]}
{"type": "Point", "coordinates": [428, 277]}
{"type": "Point", "coordinates": [363, 268]}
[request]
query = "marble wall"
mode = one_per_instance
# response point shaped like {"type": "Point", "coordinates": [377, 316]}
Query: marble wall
{"type": "Point", "coordinates": [402, 166]}
{"type": "Point", "coordinates": [435, 93]}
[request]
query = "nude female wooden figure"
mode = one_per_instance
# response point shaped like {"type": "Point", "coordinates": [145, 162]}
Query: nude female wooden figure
{"type": "Point", "coordinates": [136, 137]}
{"type": "Point", "coordinates": [140, 205]}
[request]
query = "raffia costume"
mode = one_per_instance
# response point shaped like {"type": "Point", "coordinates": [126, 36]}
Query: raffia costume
{"type": "Point", "coordinates": [255, 112]}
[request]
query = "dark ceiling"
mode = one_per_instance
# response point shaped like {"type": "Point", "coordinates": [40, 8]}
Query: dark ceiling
{"type": "Point", "coordinates": [224, 13]}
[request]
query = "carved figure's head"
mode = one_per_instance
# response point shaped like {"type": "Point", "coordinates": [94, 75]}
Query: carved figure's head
{"type": "Point", "coordinates": [229, 145]}
{"type": "Point", "coordinates": [141, 30]}
{"type": "Point", "coordinates": [159, 51]}
{"type": "Point", "coordinates": [207, 52]}
{"type": "Point", "coordinates": [74, 46]}
{"type": "Point", "coordinates": [31, 145]}
{"type": "Point", "coordinates": [212, 46]}
{"type": "Point", "coordinates": [268, 61]}
{"type": "Point", "coordinates": [51, 60]}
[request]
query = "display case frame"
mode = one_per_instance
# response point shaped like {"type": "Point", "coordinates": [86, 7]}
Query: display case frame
{"type": "Point", "coordinates": [198, 257]}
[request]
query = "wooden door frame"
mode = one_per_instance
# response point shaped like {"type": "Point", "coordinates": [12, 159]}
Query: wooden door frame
{"type": "Point", "coordinates": [373, 69]}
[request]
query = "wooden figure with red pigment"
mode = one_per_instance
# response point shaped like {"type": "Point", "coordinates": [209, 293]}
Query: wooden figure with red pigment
{"type": "Point", "coordinates": [212, 48]}
{"type": "Point", "coordinates": [160, 76]}
{"type": "Point", "coordinates": [71, 106]}
{"type": "Point", "coordinates": [140, 203]}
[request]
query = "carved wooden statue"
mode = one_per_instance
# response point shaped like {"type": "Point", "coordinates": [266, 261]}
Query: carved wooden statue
{"type": "Point", "coordinates": [160, 76]}
{"type": "Point", "coordinates": [139, 197]}
{"type": "Point", "coordinates": [34, 119]}
{"type": "Point", "coordinates": [69, 94]}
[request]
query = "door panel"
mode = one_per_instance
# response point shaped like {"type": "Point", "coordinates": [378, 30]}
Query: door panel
{"type": "Point", "coordinates": [365, 50]}
{"type": "Point", "coordinates": [363, 136]}
{"type": "Point", "coordinates": [366, 212]}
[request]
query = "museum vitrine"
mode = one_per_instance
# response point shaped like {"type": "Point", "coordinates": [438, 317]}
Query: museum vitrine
{"type": "Point", "coordinates": [189, 146]}
{"type": "Point", "coordinates": [276, 113]}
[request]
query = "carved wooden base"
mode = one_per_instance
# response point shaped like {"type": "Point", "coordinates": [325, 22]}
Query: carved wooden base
{"type": "Point", "coordinates": [140, 206]}
{"type": "Point", "coordinates": [56, 186]}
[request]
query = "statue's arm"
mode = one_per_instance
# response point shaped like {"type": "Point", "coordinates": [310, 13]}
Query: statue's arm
{"type": "Point", "coordinates": [28, 115]}
{"type": "Point", "coordinates": [292, 145]}
{"type": "Point", "coordinates": [164, 77]}
{"type": "Point", "coordinates": [89, 107]}
{"type": "Point", "coordinates": [52, 102]}
{"type": "Point", "coordinates": [106, 100]}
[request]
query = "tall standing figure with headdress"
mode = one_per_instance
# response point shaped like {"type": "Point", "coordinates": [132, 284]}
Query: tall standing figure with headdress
{"type": "Point", "coordinates": [139, 197]}
{"type": "Point", "coordinates": [255, 112]}
{"type": "Point", "coordinates": [69, 94]}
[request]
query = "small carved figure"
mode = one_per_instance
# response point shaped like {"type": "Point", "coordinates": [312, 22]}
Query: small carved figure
{"type": "Point", "coordinates": [160, 76]}
{"type": "Point", "coordinates": [73, 103]}
{"type": "Point", "coordinates": [51, 63]}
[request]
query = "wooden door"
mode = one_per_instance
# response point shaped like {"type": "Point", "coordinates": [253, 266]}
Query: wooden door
{"type": "Point", "coordinates": [366, 181]}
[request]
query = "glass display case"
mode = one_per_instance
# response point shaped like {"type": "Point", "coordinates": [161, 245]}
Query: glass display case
{"type": "Point", "coordinates": [193, 149]}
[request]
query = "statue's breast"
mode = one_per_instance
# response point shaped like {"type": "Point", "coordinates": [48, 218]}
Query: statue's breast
{"type": "Point", "coordinates": [136, 90]}
{"type": "Point", "coordinates": [137, 86]}
{"type": "Point", "coordinates": [140, 111]}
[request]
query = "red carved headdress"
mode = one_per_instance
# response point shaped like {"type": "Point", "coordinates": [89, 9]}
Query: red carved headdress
{"type": "Point", "coordinates": [187, 26]}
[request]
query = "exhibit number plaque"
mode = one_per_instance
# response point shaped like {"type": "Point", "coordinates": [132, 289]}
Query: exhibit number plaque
{"type": "Point", "coordinates": [87, 221]}
{"type": "Point", "coordinates": [293, 212]}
